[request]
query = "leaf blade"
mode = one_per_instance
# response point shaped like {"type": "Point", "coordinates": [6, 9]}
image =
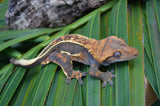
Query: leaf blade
{"type": "Point", "coordinates": [136, 66]}
{"type": "Point", "coordinates": [154, 37]}
{"type": "Point", "coordinates": [118, 27]}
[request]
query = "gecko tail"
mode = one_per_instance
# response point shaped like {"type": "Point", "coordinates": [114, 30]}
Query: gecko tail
{"type": "Point", "coordinates": [25, 63]}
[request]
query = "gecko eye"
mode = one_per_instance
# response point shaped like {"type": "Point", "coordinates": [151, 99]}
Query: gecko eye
{"type": "Point", "coordinates": [117, 54]}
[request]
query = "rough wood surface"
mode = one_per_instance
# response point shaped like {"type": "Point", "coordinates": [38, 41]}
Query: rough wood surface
{"type": "Point", "coordinates": [24, 14]}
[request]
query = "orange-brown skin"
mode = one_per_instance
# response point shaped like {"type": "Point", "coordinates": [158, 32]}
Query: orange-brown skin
{"type": "Point", "coordinates": [100, 53]}
{"type": "Point", "coordinates": [73, 47]}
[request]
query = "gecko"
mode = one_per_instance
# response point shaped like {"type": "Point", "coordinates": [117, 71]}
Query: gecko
{"type": "Point", "coordinates": [74, 47]}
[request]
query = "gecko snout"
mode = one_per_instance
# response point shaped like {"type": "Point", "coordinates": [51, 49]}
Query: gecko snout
{"type": "Point", "coordinates": [136, 52]}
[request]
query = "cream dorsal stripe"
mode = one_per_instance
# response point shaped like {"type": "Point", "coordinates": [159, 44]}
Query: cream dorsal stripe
{"type": "Point", "coordinates": [41, 55]}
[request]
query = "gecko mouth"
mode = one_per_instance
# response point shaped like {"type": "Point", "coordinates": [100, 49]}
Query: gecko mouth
{"type": "Point", "coordinates": [119, 60]}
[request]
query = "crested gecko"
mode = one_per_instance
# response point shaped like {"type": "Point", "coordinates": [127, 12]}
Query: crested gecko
{"type": "Point", "coordinates": [74, 47]}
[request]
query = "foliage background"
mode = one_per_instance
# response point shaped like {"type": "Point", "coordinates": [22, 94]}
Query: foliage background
{"type": "Point", "coordinates": [137, 22]}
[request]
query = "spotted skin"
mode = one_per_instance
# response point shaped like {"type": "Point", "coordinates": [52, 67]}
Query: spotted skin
{"type": "Point", "coordinates": [73, 47]}
{"type": "Point", "coordinates": [66, 64]}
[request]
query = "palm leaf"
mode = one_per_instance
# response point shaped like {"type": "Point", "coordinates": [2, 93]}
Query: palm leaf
{"type": "Point", "coordinates": [136, 66]}
{"type": "Point", "coordinates": [4, 7]}
{"type": "Point", "coordinates": [119, 28]}
{"type": "Point", "coordinates": [152, 43]}
{"type": "Point", "coordinates": [46, 85]}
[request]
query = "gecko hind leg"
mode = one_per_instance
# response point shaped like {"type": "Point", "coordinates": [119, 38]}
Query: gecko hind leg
{"type": "Point", "coordinates": [65, 62]}
{"type": "Point", "coordinates": [104, 76]}
{"type": "Point", "coordinates": [78, 75]}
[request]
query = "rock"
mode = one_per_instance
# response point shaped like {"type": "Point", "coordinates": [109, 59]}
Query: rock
{"type": "Point", "coordinates": [25, 14]}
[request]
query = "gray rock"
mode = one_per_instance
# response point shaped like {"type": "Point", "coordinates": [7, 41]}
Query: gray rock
{"type": "Point", "coordinates": [25, 14]}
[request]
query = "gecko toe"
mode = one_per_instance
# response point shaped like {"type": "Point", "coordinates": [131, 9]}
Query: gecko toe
{"type": "Point", "coordinates": [110, 82]}
{"type": "Point", "coordinates": [78, 75]}
{"type": "Point", "coordinates": [107, 77]}
{"type": "Point", "coordinates": [104, 84]}
{"type": "Point", "coordinates": [80, 81]}
{"type": "Point", "coordinates": [84, 73]}
{"type": "Point", "coordinates": [112, 71]}
{"type": "Point", "coordinates": [68, 81]}
{"type": "Point", "coordinates": [113, 76]}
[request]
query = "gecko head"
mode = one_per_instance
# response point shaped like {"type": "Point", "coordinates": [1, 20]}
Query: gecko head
{"type": "Point", "coordinates": [117, 50]}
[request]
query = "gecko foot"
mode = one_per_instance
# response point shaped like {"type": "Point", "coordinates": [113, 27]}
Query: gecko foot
{"type": "Point", "coordinates": [78, 75]}
{"type": "Point", "coordinates": [106, 77]}
{"type": "Point", "coordinates": [105, 83]}
{"type": "Point", "coordinates": [68, 80]}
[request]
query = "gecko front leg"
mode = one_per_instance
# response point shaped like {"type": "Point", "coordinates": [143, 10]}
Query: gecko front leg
{"type": "Point", "coordinates": [65, 62]}
{"type": "Point", "coordinates": [104, 76]}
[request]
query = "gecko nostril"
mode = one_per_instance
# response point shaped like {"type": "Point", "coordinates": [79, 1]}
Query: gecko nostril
{"type": "Point", "coordinates": [136, 53]}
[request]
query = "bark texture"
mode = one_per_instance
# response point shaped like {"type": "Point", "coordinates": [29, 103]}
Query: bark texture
{"type": "Point", "coordinates": [25, 14]}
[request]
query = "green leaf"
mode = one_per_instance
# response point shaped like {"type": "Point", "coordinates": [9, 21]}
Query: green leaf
{"type": "Point", "coordinates": [40, 89]}
{"type": "Point", "coordinates": [4, 74]}
{"type": "Point", "coordinates": [3, 9]}
{"type": "Point", "coordinates": [118, 27]}
{"type": "Point", "coordinates": [107, 93]}
{"type": "Point", "coordinates": [46, 85]}
{"type": "Point", "coordinates": [92, 30]}
{"type": "Point", "coordinates": [29, 34]}
{"type": "Point", "coordinates": [136, 66]}
{"type": "Point", "coordinates": [26, 87]}
{"type": "Point", "coordinates": [157, 12]}
{"type": "Point", "coordinates": [11, 34]}
{"type": "Point", "coordinates": [12, 84]}
{"type": "Point", "coordinates": [154, 39]}
{"type": "Point", "coordinates": [150, 74]}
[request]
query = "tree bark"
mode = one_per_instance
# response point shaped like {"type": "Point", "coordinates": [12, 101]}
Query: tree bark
{"type": "Point", "coordinates": [25, 14]}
